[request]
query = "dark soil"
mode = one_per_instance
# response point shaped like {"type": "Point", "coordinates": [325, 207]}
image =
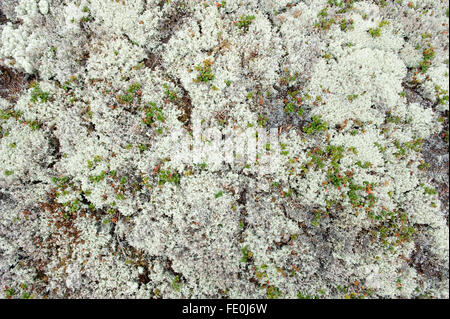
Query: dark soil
{"type": "Point", "coordinates": [12, 83]}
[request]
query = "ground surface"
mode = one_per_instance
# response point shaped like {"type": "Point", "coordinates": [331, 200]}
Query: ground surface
{"type": "Point", "coordinates": [137, 162]}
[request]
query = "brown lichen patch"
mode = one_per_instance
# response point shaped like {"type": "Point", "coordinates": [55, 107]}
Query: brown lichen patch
{"type": "Point", "coordinates": [12, 83]}
{"type": "Point", "coordinates": [63, 221]}
{"type": "Point", "coordinates": [153, 60]}
{"type": "Point", "coordinates": [423, 260]}
{"type": "Point", "coordinates": [412, 95]}
{"type": "Point", "coordinates": [3, 18]}
{"type": "Point", "coordinates": [186, 105]}
{"type": "Point", "coordinates": [65, 235]}
{"type": "Point", "coordinates": [222, 117]}
{"type": "Point", "coordinates": [436, 153]}
{"type": "Point", "coordinates": [173, 22]}
{"type": "Point", "coordinates": [137, 258]}
{"type": "Point", "coordinates": [59, 245]}
{"type": "Point", "coordinates": [435, 148]}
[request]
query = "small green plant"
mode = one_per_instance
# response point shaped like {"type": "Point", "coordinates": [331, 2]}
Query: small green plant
{"type": "Point", "coordinates": [153, 114]}
{"type": "Point", "coordinates": [300, 295]}
{"type": "Point", "coordinates": [166, 176]}
{"type": "Point", "coordinates": [273, 292]}
{"type": "Point", "coordinates": [88, 17]}
{"type": "Point", "coordinates": [246, 254]}
{"type": "Point", "coordinates": [428, 55]}
{"type": "Point", "coordinates": [132, 92]}
{"type": "Point", "coordinates": [426, 35]}
{"type": "Point", "coordinates": [289, 108]}
{"type": "Point", "coordinates": [221, 4]}
{"type": "Point", "coordinates": [430, 191]}
{"type": "Point", "coordinates": [120, 196]}
{"type": "Point", "coordinates": [374, 32]}
{"type": "Point", "coordinates": [98, 178]}
{"type": "Point", "coordinates": [423, 166]}
{"type": "Point", "coordinates": [26, 295]}
{"type": "Point", "coordinates": [205, 72]}
{"type": "Point", "coordinates": [37, 93]}
{"type": "Point", "coordinates": [8, 172]}
{"type": "Point", "coordinates": [383, 23]}
{"type": "Point", "coordinates": [134, 88]}
{"type": "Point", "coordinates": [346, 24]}
{"type": "Point", "coordinates": [392, 227]}
{"type": "Point", "coordinates": [343, 5]}
{"type": "Point", "coordinates": [441, 95]}
{"type": "Point", "coordinates": [262, 120]}
{"type": "Point", "coordinates": [393, 119]}
{"type": "Point", "coordinates": [323, 13]}
{"type": "Point", "coordinates": [315, 126]}
{"type": "Point", "coordinates": [352, 97]}
{"type": "Point", "coordinates": [176, 283]}
{"type": "Point", "coordinates": [324, 23]}
{"type": "Point", "coordinates": [171, 94]}
{"type": "Point", "coordinates": [317, 217]}
{"type": "Point", "coordinates": [382, 3]}
{"type": "Point", "coordinates": [245, 22]}
{"type": "Point", "coordinates": [9, 292]}
{"type": "Point", "coordinates": [142, 147]}
{"type": "Point", "coordinates": [365, 165]}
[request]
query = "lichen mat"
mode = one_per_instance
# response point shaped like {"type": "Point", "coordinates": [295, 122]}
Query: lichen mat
{"type": "Point", "coordinates": [242, 149]}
